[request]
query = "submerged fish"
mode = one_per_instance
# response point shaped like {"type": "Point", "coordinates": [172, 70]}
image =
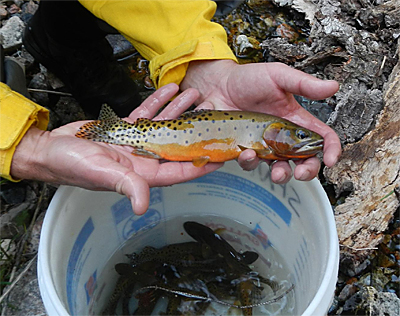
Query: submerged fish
{"type": "Point", "coordinates": [206, 136]}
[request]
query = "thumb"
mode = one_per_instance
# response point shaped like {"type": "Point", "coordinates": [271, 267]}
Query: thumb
{"type": "Point", "coordinates": [136, 189]}
{"type": "Point", "coordinates": [300, 83]}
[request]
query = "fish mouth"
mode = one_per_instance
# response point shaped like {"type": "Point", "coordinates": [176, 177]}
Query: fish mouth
{"type": "Point", "coordinates": [313, 146]}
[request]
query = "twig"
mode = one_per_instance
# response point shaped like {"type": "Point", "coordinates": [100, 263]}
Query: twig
{"type": "Point", "coordinates": [358, 249]}
{"type": "Point", "coordinates": [12, 285]}
{"type": "Point", "coordinates": [50, 91]}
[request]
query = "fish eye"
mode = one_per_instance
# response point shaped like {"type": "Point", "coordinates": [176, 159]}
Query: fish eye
{"type": "Point", "coordinates": [301, 134]}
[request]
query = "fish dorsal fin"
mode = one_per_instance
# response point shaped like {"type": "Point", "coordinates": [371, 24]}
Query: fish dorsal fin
{"type": "Point", "coordinates": [193, 114]}
{"type": "Point", "coordinates": [108, 114]}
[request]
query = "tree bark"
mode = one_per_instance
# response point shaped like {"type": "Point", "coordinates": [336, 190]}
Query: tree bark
{"type": "Point", "coordinates": [371, 169]}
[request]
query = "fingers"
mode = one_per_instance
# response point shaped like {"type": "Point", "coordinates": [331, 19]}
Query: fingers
{"type": "Point", "coordinates": [179, 105]}
{"type": "Point", "coordinates": [154, 102]}
{"type": "Point", "coordinates": [176, 172]}
{"type": "Point", "coordinates": [298, 82]}
{"type": "Point", "coordinates": [248, 160]}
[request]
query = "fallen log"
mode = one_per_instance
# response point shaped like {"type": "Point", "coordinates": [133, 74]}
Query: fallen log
{"type": "Point", "coordinates": [370, 168]}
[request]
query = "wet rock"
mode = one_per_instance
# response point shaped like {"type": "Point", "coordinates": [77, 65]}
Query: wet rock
{"type": "Point", "coordinates": [11, 32]}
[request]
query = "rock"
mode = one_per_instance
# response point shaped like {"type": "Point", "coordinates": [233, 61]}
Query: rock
{"type": "Point", "coordinates": [121, 46]}
{"type": "Point", "coordinates": [25, 298]}
{"type": "Point", "coordinates": [3, 12]}
{"type": "Point", "coordinates": [13, 193]}
{"type": "Point", "coordinates": [11, 32]}
{"type": "Point", "coordinates": [15, 218]}
{"type": "Point", "coordinates": [39, 81]}
{"type": "Point", "coordinates": [8, 245]}
{"type": "Point", "coordinates": [368, 301]}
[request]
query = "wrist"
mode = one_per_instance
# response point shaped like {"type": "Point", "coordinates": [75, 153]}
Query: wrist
{"type": "Point", "coordinates": [209, 77]}
{"type": "Point", "coordinates": [27, 157]}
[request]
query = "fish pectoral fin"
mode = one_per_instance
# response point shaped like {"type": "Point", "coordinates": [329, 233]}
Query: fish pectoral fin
{"type": "Point", "coordinates": [200, 161]}
{"type": "Point", "coordinates": [145, 153]}
{"type": "Point", "coordinates": [263, 153]}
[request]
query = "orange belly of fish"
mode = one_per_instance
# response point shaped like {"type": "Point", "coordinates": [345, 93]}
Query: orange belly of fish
{"type": "Point", "coordinates": [203, 151]}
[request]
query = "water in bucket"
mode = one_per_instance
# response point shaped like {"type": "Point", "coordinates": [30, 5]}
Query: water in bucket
{"type": "Point", "coordinates": [269, 265]}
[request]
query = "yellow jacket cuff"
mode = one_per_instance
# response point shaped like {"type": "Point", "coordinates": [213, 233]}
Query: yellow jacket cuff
{"type": "Point", "coordinates": [168, 33]}
{"type": "Point", "coordinates": [17, 115]}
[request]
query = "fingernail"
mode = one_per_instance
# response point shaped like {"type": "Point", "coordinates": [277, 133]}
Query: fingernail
{"type": "Point", "coordinates": [305, 176]}
{"type": "Point", "coordinates": [250, 160]}
{"type": "Point", "coordinates": [281, 179]}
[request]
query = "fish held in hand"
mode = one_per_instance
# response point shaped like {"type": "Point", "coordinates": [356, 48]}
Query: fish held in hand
{"type": "Point", "coordinates": [206, 136]}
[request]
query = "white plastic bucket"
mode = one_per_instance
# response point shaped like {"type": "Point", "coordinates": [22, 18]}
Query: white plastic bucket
{"type": "Point", "coordinates": [83, 229]}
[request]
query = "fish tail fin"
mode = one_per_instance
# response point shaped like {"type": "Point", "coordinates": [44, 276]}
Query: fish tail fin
{"type": "Point", "coordinates": [99, 130]}
{"type": "Point", "coordinates": [92, 130]}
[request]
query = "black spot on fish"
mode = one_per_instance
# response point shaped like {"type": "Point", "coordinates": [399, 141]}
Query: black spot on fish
{"type": "Point", "coordinates": [191, 132]}
{"type": "Point", "coordinates": [169, 125]}
{"type": "Point", "coordinates": [209, 114]}
{"type": "Point", "coordinates": [179, 123]}
{"type": "Point", "coordinates": [206, 119]}
{"type": "Point", "coordinates": [174, 121]}
{"type": "Point", "coordinates": [253, 120]}
{"type": "Point", "coordinates": [207, 129]}
{"type": "Point", "coordinates": [186, 142]}
{"type": "Point", "coordinates": [141, 126]}
{"type": "Point", "coordinates": [225, 113]}
{"type": "Point", "coordinates": [175, 136]}
{"type": "Point", "coordinates": [162, 123]}
{"type": "Point", "coordinates": [231, 118]}
{"type": "Point", "coordinates": [219, 129]}
{"type": "Point", "coordinates": [174, 128]}
{"type": "Point", "coordinates": [199, 119]}
{"type": "Point", "coordinates": [199, 134]}
{"type": "Point", "coordinates": [138, 141]}
{"type": "Point", "coordinates": [213, 121]}
{"type": "Point", "coordinates": [240, 116]}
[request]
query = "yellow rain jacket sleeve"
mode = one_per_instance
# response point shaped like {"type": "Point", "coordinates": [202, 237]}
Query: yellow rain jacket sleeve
{"type": "Point", "coordinates": [17, 115]}
{"type": "Point", "coordinates": [169, 33]}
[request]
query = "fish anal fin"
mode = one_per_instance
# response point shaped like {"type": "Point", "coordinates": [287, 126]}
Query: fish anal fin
{"type": "Point", "coordinates": [200, 161]}
{"type": "Point", "coordinates": [145, 153]}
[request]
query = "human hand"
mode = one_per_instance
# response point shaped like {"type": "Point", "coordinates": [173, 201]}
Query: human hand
{"type": "Point", "coordinates": [268, 88]}
{"type": "Point", "coordinates": [60, 157]}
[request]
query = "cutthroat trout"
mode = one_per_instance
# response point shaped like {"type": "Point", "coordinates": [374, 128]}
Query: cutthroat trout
{"type": "Point", "coordinates": [206, 136]}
